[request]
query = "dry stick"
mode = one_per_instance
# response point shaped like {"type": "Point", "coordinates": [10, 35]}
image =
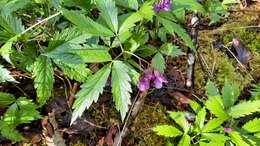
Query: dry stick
{"type": "Point", "coordinates": [118, 137]}
{"type": "Point", "coordinates": [72, 94]}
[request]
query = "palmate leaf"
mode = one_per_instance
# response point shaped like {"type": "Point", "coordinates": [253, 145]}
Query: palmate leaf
{"type": "Point", "coordinates": [212, 125]}
{"type": "Point", "coordinates": [121, 87]}
{"type": "Point", "coordinates": [13, 5]}
{"type": "Point", "coordinates": [78, 72]}
{"type": "Point", "coordinates": [93, 53]}
{"type": "Point", "coordinates": [63, 44]}
{"type": "Point", "coordinates": [229, 94]}
{"type": "Point", "coordinates": [244, 108]}
{"type": "Point", "coordinates": [179, 118]}
{"type": "Point", "coordinates": [109, 13]}
{"type": "Point", "coordinates": [133, 4]}
{"type": "Point", "coordinates": [200, 118]}
{"type": "Point", "coordinates": [237, 139]}
{"type": "Point", "coordinates": [173, 28]}
{"type": "Point", "coordinates": [216, 107]}
{"type": "Point", "coordinates": [86, 24]}
{"type": "Point", "coordinates": [145, 12]}
{"type": "Point", "coordinates": [9, 132]}
{"type": "Point", "coordinates": [6, 99]}
{"type": "Point", "coordinates": [215, 137]}
{"type": "Point", "coordinates": [185, 140]}
{"type": "Point", "coordinates": [5, 75]}
{"type": "Point", "coordinates": [190, 5]}
{"type": "Point", "coordinates": [171, 50]}
{"type": "Point", "coordinates": [158, 62]}
{"type": "Point", "coordinates": [43, 75]}
{"type": "Point", "coordinates": [167, 131]}
{"type": "Point", "coordinates": [90, 91]}
{"type": "Point", "coordinates": [252, 126]}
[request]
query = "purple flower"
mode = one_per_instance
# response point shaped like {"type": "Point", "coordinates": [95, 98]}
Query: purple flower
{"type": "Point", "coordinates": [144, 84]}
{"type": "Point", "coordinates": [165, 5]}
{"type": "Point", "coordinates": [227, 129]}
{"type": "Point", "coordinates": [38, 20]}
{"type": "Point", "coordinates": [159, 79]}
{"type": "Point", "coordinates": [148, 74]}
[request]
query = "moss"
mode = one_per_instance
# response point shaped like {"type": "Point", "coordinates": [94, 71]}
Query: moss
{"type": "Point", "coordinates": [150, 117]}
{"type": "Point", "coordinates": [225, 67]}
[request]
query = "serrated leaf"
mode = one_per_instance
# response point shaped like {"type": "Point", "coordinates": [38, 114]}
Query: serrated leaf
{"type": "Point", "coordinates": [6, 99]}
{"type": "Point", "coordinates": [216, 107]}
{"type": "Point", "coordinates": [252, 125]}
{"type": "Point", "coordinates": [173, 28]}
{"type": "Point", "coordinates": [121, 87]}
{"type": "Point", "coordinates": [6, 49]}
{"type": "Point", "coordinates": [229, 94]}
{"type": "Point", "coordinates": [43, 75]}
{"type": "Point", "coordinates": [244, 108]}
{"type": "Point", "coordinates": [144, 13]}
{"type": "Point", "coordinates": [195, 106]}
{"type": "Point", "coordinates": [215, 137]}
{"type": "Point", "coordinates": [86, 24]}
{"type": "Point", "coordinates": [185, 140]}
{"type": "Point", "coordinates": [219, 143]}
{"type": "Point", "coordinates": [5, 75]}
{"type": "Point", "coordinates": [237, 139]}
{"type": "Point", "coordinates": [109, 13]}
{"type": "Point", "coordinates": [158, 62]}
{"type": "Point", "coordinates": [190, 5]}
{"type": "Point", "coordinates": [13, 5]}
{"type": "Point", "coordinates": [133, 4]}
{"type": "Point", "coordinates": [167, 131]}
{"type": "Point", "coordinates": [179, 118]}
{"type": "Point", "coordinates": [171, 50]}
{"type": "Point", "coordinates": [212, 90]}
{"type": "Point", "coordinates": [78, 72]}
{"type": "Point", "coordinates": [94, 54]}
{"type": "Point", "coordinates": [212, 125]}
{"type": "Point", "coordinates": [90, 91]}
{"type": "Point", "coordinates": [63, 44]}
{"type": "Point", "coordinates": [27, 110]}
{"type": "Point", "coordinates": [200, 118]}
{"type": "Point", "coordinates": [10, 132]}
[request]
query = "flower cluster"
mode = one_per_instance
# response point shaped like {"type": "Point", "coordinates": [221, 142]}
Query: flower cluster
{"type": "Point", "coordinates": [164, 5]}
{"type": "Point", "coordinates": [149, 76]}
{"type": "Point", "coordinates": [227, 129]}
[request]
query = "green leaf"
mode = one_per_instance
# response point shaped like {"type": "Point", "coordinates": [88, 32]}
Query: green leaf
{"type": "Point", "coordinates": [6, 99]}
{"type": "Point", "coordinates": [6, 49]}
{"type": "Point", "coordinates": [219, 143]}
{"type": "Point", "coordinates": [133, 4]}
{"type": "Point", "coordinates": [173, 28]}
{"type": "Point", "coordinates": [200, 118]}
{"type": "Point", "coordinates": [90, 91]}
{"type": "Point", "coordinates": [179, 118]}
{"type": "Point", "coordinates": [215, 137]}
{"type": "Point", "coordinates": [145, 12]}
{"type": "Point", "coordinates": [252, 125]}
{"type": "Point", "coordinates": [195, 106]}
{"type": "Point", "coordinates": [121, 87]}
{"type": "Point", "coordinates": [185, 140]}
{"type": "Point", "coordinates": [167, 131]}
{"type": "Point", "coordinates": [5, 75]}
{"type": "Point", "coordinates": [43, 78]}
{"type": "Point", "coordinates": [10, 132]}
{"type": "Point", "coordinates": [212, 125]}
{"type": "Point", "coordinates": [244, 108]}
{"type": "Point", "coordinates": [86, 24]}
{"type": "Point", "coordinates": [171, 50]}
{"type": "Point", "coordinates": [225, 2]}
{"type": "Point", "coordinates": [13, 5]}
{"type": "Point", "coordinates": [237, 139]}
{"type": "Point", "coordinates": [78, 72]}
{"type": "Point", "coordinates": [94, 54]}
{"type": "Point", "coordinates": [109, 13]}
{"type": "Point", "coordinates": [158, 62]}
{"type": "Point", "coordinates": [27, 110]}
{"type": "Point", "coordinates": [212, 90]}
{"type": "Point", "coordinates": [229, 94]}
{"type": "Point", "coordinates": [189, 4]}
{"type": "Point", "coordinates": [63, 45]}
{"type": "Point", "coordinates": [216, 107]}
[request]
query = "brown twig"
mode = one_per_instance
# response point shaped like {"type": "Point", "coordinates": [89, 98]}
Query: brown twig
{"type": "Point", "coordinates": [72, 94]}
